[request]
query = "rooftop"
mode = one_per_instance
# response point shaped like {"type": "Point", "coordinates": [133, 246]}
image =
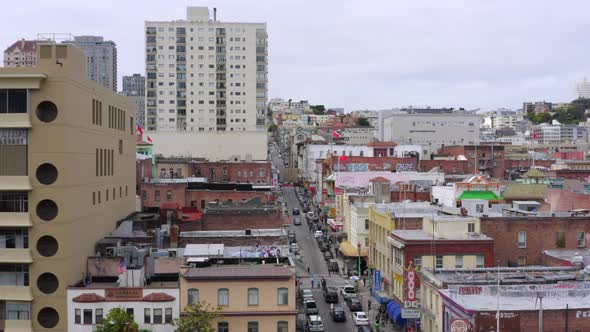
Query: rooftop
{"type": "Point", "coordinates": [479, 194]}
{"type": "Point", "coordinates": [235, 233]}
{"type": "Point", "coordinates": [259, 271]}
{"type": "Point", "coordinates": [420, 235]}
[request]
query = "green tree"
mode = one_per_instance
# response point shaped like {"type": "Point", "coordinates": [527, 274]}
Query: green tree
{"type": "Point", "coordinates": [272, 127]}
{"type": "Point", "coordinates": [318, 109]}
{"type": "Point", "coordinates": [197, 317]}
{"type": "Point", "coordinates": [363, 122]}
{"type": "Point", "coordinates": [117, 320]}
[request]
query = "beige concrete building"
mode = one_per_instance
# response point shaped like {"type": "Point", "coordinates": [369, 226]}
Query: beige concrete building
{"type": "Point", "coordinates": [67, 156]}
{"type": "Point", "coordinates": [251, 297]}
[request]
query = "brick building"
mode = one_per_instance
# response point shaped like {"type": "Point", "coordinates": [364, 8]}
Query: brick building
{"type": "Point", "coordinates": [199, 195]}
{"type": "Point", "coordinates": [258, 172]}
{"type": "Point", "coordinates": [237, 218]}
{"type": "Point", "coordinates": [452, 167]}
{"type": "Point", "coordinates": [483, 158]}
{"type": "Point", "coordinates": [574, 174]}
{"type": "Point", "coordinates": [522, 240]}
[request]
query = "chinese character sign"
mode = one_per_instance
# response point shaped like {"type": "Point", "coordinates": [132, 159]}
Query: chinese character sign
{"type": "Point", "coordinates": [411, 284]}
{"type": "Point", "coordinates": [377, 280]}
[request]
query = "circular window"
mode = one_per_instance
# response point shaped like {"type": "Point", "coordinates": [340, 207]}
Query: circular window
{"type": "Point", "coordinates": [46, 111]}
{"type": "Point", "coordinates": [47, 283]}
{"type": "Point", "coordinates": [47, 209]}
{"type": "Point", "coordinates": [48, 317]}
{"type": "Point", "coordinates": [47, 246]}
{"type": "Point", "coordinates": [46, 173]}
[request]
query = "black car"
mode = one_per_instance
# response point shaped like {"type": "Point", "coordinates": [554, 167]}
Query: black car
{"type": "Point", "coordinates": [338, 314]}
{"type": "Point", "coordinates": [295, 211]}
{"type": "Point", "coordinates": [354, 304]}
{"type": "Point", "coordinates": [324, 246]}
{"type": "Point", "coordinates": [331, 295]}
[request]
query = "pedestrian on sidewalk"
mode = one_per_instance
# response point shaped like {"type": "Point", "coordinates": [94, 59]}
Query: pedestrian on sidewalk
{"type": "Point", "coordinates": [308, 270]}
{"type": "Point", "coordinates": [369, 305]}
{"type": "Point", "coordinates": [312, 282]}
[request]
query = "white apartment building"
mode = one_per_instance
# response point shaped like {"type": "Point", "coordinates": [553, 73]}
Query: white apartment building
{"type": "Point", "coordinates": [498, 121]}
{"type": "Point", "coordinates": [357, 135]}
{"type": "Point", "coordinates": [204, 75]}
{"type": "Point", "coordinates": [290, 106]}
{"type": "Point", "coordinates": [583, 88]}
{"type": "Point", "coordinates": [23, 53]}
{"type": "Point", "coordinates": [359, 224]}
{"type": "Point", "coordinates": [432, 130]}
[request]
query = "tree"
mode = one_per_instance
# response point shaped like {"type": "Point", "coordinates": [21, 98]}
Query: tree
{"type": "Point", "coordinates": [363, 122]}
{"type": "Point", "coordinates": [272, 127]}
{"type": "Point", "coordinates": [318, 109]}
{"type": "Point", "coordinates": [198, 317]}
{"type": "Point", "coordinates": [117, 320]}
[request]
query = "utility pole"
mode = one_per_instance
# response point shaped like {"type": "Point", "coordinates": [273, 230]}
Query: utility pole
{"type": "Point", "coordinates": [498, 300]}
{"type": "Point", "coordinates": [540, 296]}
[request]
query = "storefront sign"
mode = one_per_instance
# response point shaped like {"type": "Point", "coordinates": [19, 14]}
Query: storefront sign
{"type": "Point", "coordinates": [411, 284]}
{"type": "Point", "coordinates": [582, 314]}
{"type": "Point", "coordinates": [377, 280]}
{"type": "Point", "coordinates": [411, 313]}
{"type": "Point", "coordinates": [123, 294]}
{"type": "Point", "coordinates": [470, 290]}
{"type": "Point", "coordinates": [459, 325]}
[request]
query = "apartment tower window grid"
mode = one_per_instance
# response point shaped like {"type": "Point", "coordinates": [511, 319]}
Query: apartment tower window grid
{"type": "Point", "coordinates": [204, 75]}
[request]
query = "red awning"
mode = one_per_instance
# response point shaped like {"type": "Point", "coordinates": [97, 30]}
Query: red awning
{"type": "Point", "coordinates": [169, 206]}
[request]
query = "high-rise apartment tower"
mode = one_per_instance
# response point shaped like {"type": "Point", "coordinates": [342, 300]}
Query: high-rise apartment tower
{"type": "Point", "coordinates": [204, 75]}
{"type": "Point", "coordinates": [101, 59]}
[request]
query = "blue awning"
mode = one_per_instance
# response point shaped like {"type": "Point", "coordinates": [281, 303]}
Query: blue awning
{"type": "Point", "coordinates": [380, 296]}
{"type": "Point", "coordinates": [395, 313]}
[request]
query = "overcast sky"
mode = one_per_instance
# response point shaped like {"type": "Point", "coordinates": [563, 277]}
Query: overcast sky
{"type": "Point", "coordinates": [365, 54]}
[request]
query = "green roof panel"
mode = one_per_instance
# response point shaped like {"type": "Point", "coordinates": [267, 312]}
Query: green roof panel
{"type": "Point", "coordinates": [479, 194]}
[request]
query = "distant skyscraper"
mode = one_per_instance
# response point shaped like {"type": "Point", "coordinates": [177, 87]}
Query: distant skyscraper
{"type": "Point", "coordinates": [583, 89]}
{"type": "Point", "coordinates": [22, 53]}
{"type": "Point", "coordinates": [101, 59]}
{"type": "Point", "coordinates": [134, 85]}
{"type": "Point", "coordinates": [205, 75]}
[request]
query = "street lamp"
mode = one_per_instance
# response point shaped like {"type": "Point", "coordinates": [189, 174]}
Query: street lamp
{"type": "Point", "coordinates": [358, 245]}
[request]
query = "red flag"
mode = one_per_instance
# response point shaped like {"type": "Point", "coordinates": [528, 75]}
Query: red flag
{"type": "Point", "coordinates": [150, 139]}
{"type": "Point", "coordinates": [335, 134]}
{"type": "Point", "coordinates": [534, 135]}
{"type": "Point", "coordinates": [342, 158]}
{"type": "Point", "coordinates": [139, 129]}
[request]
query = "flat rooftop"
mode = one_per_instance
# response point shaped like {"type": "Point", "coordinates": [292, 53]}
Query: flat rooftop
{"type": "Point", "coordinates": [258, 271]}
{"type": "Point", "coordinates": [420, 235]}
{"type": "Point", "coordinates": [236, 233]}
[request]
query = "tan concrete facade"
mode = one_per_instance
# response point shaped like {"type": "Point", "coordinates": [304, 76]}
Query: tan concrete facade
{"type": "Point", "coordinates": [239, 309]}
{"type": "Point", "coordinates": [86, 133]}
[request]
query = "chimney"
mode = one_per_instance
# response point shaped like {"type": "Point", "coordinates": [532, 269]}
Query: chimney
{"type": "Point", "coordinates": [174, 236]}
{"type": "Point", "coordinates": [214, 14]}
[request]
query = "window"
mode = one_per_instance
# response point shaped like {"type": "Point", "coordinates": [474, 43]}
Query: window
{"type": "Point", "coordinates": [193, 296]}
{"type": "Point", "coordinates": [120, 146]}
{"type": "Point", "coordinates": [252, 326]}
{"type": "Point", "coordinates": [168, 315]}
{"type": "Point", "coordinates": [581, 239]}
{"type": "Point", "coordinates": [282, 326]}
{"type": "Point", "coordinates": [98, 316]}
{"type": "Point", "coordinates": [521, 261]}
{"type": "Point", "coordinates": [223, 296]}
{"type": "Point", "coordinates": [14, 201]}
{"type": "Point", "coordinates": [283, 296]}
{"type": "Point", "coordinates": [458, 262]}
{"type": "Point", "coordinates": [252, 296]}
{"type": "Point", "coordinates": [417, 262]}
{"type": "Point", "coordinates": [157, 316]}
{"type": "Point", "coordinates": [522, 239]}
{"type": "Point", "coordinates": [130, 312]}
{"type": "Point", "coordinates": [439, 262]}
{"type": "Point", "coordinates": [560, 243]}
{"type": "Point", "coordinates": [168, 195]}
{"type": "Point", "coordinates": [78, 316]}
{"type": "Point", "coordinates": [147, 316]}
{"type": "Point", "coordinates": [479, 208]}
{"type": "Point", "coordinates": [397, 256]}
{"type": "Point", "coordinates": [88, 316]}
{"type": "Point", "coordinates": [471, 227]}
{"type": "Point", "coordinates": [157, 195]}
{"type": "Point", "coordinates": [223, 327]}
{"type": "Point", "coordinates": [479, 261]}
{"type": "Point", "coordinates": [366, 223]}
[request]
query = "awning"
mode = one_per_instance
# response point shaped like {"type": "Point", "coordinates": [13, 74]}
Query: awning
{"type": "Point", "coordinates": [380, 296]}
{"type": "Point", "coordinates": [347, 249]}
{"type": "Point", "coordinates": [395, 313]}
{"type": "Point", "coordinates": [169, 206]}
{"type": "Point", "coordinates": [335, 225]}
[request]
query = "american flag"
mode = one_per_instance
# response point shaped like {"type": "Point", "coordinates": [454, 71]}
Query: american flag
{"type": "Point", "coordinates": [122, 266]}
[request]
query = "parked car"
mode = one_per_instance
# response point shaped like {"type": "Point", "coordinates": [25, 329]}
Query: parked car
{"type": "Point", "coordinates": [325, 246]}
{"type": "Point", "coordinates": [360, 318]}
{"type": "Point", "coordinates": [310, 215]}
{"type": "Point", "coordinates": [297, 222]}
{"type": "Point", "coordinates": [300, 323]}
{"type": "Point", "coordinates": [333, 265]}
{"type": "Point", "coordinates": [295, 211]}
{"type": "Point", "coordinates": [354, 304]}
{"type": "Point", "coordinates": [315, 323]}
{"type": "Point", "coordinates": [338, 314]}
{"type": "Point", "coordinates": [311, 308]}
{"type": "Point", "coordinates": [294, 246]}
{"type": "Point", "coordinates": [305, 208]}
{"type": "Point", "coordinates": [347, 291]}
{"type": "Point", "coordinates": [318, 234]}
{"type": "Point", "coordinates": [331, 294]}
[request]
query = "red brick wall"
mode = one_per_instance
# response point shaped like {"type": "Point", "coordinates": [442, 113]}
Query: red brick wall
{"type": "Point", "coordinates": [240, 172]}
{"type": "Point", "coordinates": [553, 261]}
{"type": "Point", "coordinates": [553, 321]}
{"type": "Point", "coordinates": [563, 200]}
{"type": "Point", "coordinates": [447, 166]}
{"type": "Point", "coordinates": [218, 222]}
{"type": "Point", "coordinates": [143, 169]}
{"type": "Point", "coordinates": [373, 163]}
{"type": "Point", "coordinates": [485, 248]}
{"type": "Point", "coordinates": [236, 241]}
{"type": "Point", "coordinates": [408, 223]}
{"type": "Point", "coordinates": [414, 196]}
{"type": "Point", "coordinates": [581, 175]}
{"type": "Point", "coordinates": [541, 235]}
{"type": "Point", "coordinates": [148, 196]}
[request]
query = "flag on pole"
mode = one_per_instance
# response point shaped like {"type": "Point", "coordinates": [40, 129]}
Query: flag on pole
{"type": "Point", "coordinates": [150, 139]}
{"type": "Point", "coordinates": [335, 134]}
{"type": "Point", "coordinates": [139, 129]}
{"type": "Point", "coordinates": [122, 266]}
